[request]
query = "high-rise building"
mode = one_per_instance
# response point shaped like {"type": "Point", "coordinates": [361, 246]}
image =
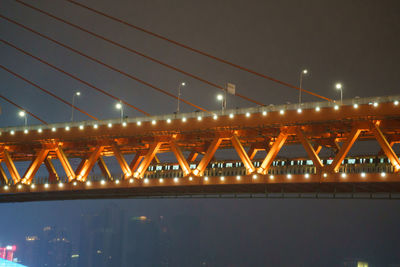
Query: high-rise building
{"type": "Point", "coordinates": [142, 242]}
{"type": "Point", "coordinates": [50, 248]}
{"type": "Point", "coordinates": [31, 251]}
{"type": "Point", "coordinates": [101, 238]}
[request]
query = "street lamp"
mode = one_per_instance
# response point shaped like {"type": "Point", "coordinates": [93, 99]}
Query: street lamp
{"type": "Point", "coordinates": [77, 93]}
{"type": "Point", "coordinates": [121, 108]}
{"type": "Point", "coordinates": [302, 73]}
{"type": "Point", "coordinates": [221, 98]}
{"type": "Point", "coordinates": [339, 86]}
{"type": "Point", "coordinates": [179, 94]}
{"type": "Point", "coordinates": [22, 114]}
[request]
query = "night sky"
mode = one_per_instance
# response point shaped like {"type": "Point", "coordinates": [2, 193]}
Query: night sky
{"type": "Point", "coordinates": [353, 42]}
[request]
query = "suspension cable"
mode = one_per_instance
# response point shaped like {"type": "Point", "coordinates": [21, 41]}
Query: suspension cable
{"type": "Point", "coordinates": [74, 77]}
{"type": "Point", "coordinates": [134, 51]}
{"type": "Point", "coordinates": [47, 92]}
{"type": "Point", "coordinates": [102, 63]}
{"type": "Point", "coordinates": [23, 109]}
{"type": "Point", "coordinates": [196, 50]}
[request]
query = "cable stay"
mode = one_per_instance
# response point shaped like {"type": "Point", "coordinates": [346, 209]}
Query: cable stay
{"type": "Point", "coordinates": [194, 49]}
{"type": "Point", "coordinates": [74, 77]}
{"type": "Point", "coordinates": [102, 63]}
{"type": "Point", "coordinates": [23, 109]}
{"type": "Point", "coordinates": [47, 92]}
{"type": "Point", "coordinates": [135, 51]}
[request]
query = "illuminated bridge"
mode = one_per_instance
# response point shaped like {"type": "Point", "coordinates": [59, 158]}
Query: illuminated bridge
{"type": "Point", "coordinates": [226, 153]}
{"type": "Point", "coordinates": [246, 132]}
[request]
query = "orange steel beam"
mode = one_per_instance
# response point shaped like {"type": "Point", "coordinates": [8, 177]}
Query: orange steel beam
{"type": "Point", "coordinates": [310, 150]}
{"type": "Point", "coordinates": [136, 161]}
{"type": "Point", "coordinates": [139, 173]}
{"type": "Point", "coordinates": [53, 175]}
{"type": "Point", "coordinates": [394, 159]}
{"type": "Point", "coordinates": [103, 167]}
{"type": "Point", "coordinates": [335, 165]}
{"type": "Point", "coordinates": [181, 159]}
{"type": "Point", "coordinates": [242, 154]}
{"type": "Point", "coordinates": [89, 163]}
{"type": "Point", "coordinates": [122, 162]}
{"type": "Point", "coordinates": [34, 166]}
{"type": "Point", "coordinates": [317, 148]}
{"type": "Point", "coordinates": [65, 163]}
{"type": "Point", "coordinates": [80, 166]}
{"type": "Point", "coordinates": [192, 156]}
{"type": "Point", "coordinates": [156, 160]}
{"type": "Point", "coordinates": [252, 152]}
{"type": "Point", "coordinates": [272, 153]}
{"type": "Point", "coordinates": [11, 167]}
{"type": "Point", "coordinates": [208, 156]}
{"type": "Point", "coordinates": [3, 176]}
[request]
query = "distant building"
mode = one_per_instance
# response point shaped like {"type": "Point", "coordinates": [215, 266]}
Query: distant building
{"type": "Point", "coordinates": [101, 237]}
{"type": "Point", "coordinates": [355, 263]}
{"type": "Point", "coordinates": [7, 252]}
{"type": "Point", "coordinates": [31, 251]}
{"type": "Point", "coordinates": [50, 248]}
{"type": "Point", "coordinates": [143, 243]}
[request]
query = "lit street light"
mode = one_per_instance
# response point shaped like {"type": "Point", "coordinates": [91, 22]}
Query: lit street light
{"type": "Point", "coordinates": [339, 86]}
{"type": "Point", "coordinates": [302, 73]}
{"type": "Point", "coordinates": [22, 114]}
{"type": "Point", "coordinates": [121, 108]}
{"type": "Point", "coordinates": [179, 94]}
{"type": "Point", "coordinates": [77, 93]}
{"type": "Point", "coordinates": [222, 99]}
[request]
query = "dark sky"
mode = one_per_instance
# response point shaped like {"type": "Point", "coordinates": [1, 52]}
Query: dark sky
{"type": "Point", "coordinates": [354, 42]}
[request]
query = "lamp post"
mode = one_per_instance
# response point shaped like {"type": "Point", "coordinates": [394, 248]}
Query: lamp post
{"type": "Point", "coordinates": [22, 114]}
{"type": "Point", "coordinates": [121, 108]}
{"type": "Point", "coordinates": [302, 73]}
{"type": "Point", "coordinates": [339, 86]}
{"type": "Point", "coordinates": [179, 95]}
{"type": "Point", "coordinates": [221, 98]}
{"type": "Point", "coordinates": [77, 93]}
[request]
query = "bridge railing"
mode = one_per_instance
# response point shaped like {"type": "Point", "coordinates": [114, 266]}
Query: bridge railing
{"type": "Point", "coordinates": [259, 109]}
{"type": "Point", "coordinates": [234, 171]}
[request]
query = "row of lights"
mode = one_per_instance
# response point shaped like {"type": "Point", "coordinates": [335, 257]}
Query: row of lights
{"type": "Point", "coordinates": [199, 118]}
{"type": "Point", "coordinates": [176, 179]}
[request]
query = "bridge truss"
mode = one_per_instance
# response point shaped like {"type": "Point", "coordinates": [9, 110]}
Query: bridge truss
{"type": "Point", "coordinates": [247, 131]}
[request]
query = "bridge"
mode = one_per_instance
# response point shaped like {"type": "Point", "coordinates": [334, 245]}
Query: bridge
{"type": "Point", "coordinates": [246, 131]}
{"type": "Point", "coordinates": [220, 153]}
